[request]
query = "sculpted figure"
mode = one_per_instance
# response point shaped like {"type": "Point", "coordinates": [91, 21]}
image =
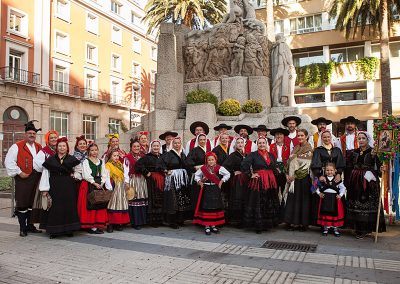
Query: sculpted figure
{"type": "Point", "coordinates": [235, 13]}
{"type": "Point", "coordinates": [189, 58]}
{"type": "Point", "coordinates": [250, 18]}
{"type": "Point", "coordinates": [216, 63]}
{"type": "Point", "coordinates": [283, 73]}
{"type": "Point", "coordinates": [238, 56]}
{"type": "Point", "coordinates": [252, 57]}
{"type": "Point", "coordinates": [200, 58]}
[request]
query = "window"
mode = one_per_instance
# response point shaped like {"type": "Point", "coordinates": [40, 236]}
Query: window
{"type": "Point", "coordinates": [116, 62]}
{"type": "Point", "coordinates": [375, 51]}
{"type": "Point", "coordinates": [306, 24]}
{"type": "Point", "coordinates": [62, 43]}
{"type": "Point", "coordinates": [62, 9]}
{"type": "Point", "coordinates": [115, 7]}
{"type": "Point", "coordinates": [14, 63]}
{"type": "Point", "coordinates": [394, 49]}
{"type": "Point", "coordinates": [310, 98]}
{"type": "Point", "coordinates": [279, 27]}
{"type": "Point", "coordinates": [114, 125]}
{"type": "Point", "coordinates": [135, 18]}
{"type": "Point", "coordinates": [153, 54]}
{"type": "Point", "coordinates": [137, 71]}
{"type": "Point", "coordinates": [89, 126]}
{"type": "Point", "coordinates": [308, 58]}
{"type": "Point", "coordinates": [90, 86]}
{"type": "Point", "coordinates": [60, 79]}
{"type": "Point", "coordinates": [347, 54]}
{"type": "Point", "coordinates": [153, 76]}
{"type": "Point", "coordinates": [116, 35]}
{"type": "Point", "coordinates": [92, 23]}
{"type": "Point", "coordinates": [115, 92]}
{"type": "Point", "coordinates": [152, 100]}
{"type": "Point", "coordinates": [17, 22]}
{"type": "Point", "coordinates": [59, 122]}
{"type": "Point", "coordinates": [348, 95]}
{"type": "Point", "coordinates": [91, 53]}
{"type": "Point", "coordinates": [137, 46]}
{"type": "Point", "coordinates": [137, 97]}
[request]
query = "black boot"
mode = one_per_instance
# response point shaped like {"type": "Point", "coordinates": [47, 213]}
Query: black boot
{"type": "Point", "coordinates": [30, 227]}
{"type": "Point", "coordinates": [22, 216]}
{"type": "Point", "coordinates": [110, 229]}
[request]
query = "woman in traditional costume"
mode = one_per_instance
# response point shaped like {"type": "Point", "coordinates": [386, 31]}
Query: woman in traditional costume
{"type": "Point", "coordinates": [297, 193]}
{"type": "Point", "coordinates": [222, 149]}
{"type": "Point", "coordinates": [137, 188]}
{"type": "Point", "coordinates": [363, 195]}
{"type": "Point", "coordinates": [113, 144]}
{"type": "Point", "coordinates": [148, 167]}
{"type": "Point", "coordinates": [93, 218]}
{"type": "Point", "coordinates": [80, 149]}
{"type": "Point", "coordinates": [177, 206]}
{"type": "Point", "coordinates": [118, 213]}
{"type": "Point", "coordinates": [326, 153]}
{"type": "Point", "coordinates": [237, 185]}
{"type": "Point", "coordinates": [209, 207]}
{"type": "Point", "coordinates": [261, 202]}
{"type": "Point", "coordinates": [144, 142]}
{"type": "Point", "coordinates": [58, 185]}
{"type": "Point", "coordinates": [46, 152]}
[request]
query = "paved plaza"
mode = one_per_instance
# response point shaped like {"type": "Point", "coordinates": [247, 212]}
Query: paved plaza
{"type": "Point", "coordinates": [186, 255]}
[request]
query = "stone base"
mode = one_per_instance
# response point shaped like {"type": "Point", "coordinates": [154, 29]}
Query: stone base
{"type": "Point", "coordinates": [235, 88]}
{"type": "Point", "coordinates": [286, 110]}
{"type": "Point", "coordinates": [259, 89]}
{"type": "Point", "coordinates": [212, 86]}
{"type": "Point", "coordinates": [188, 87]}
{"type": "Point", "coordinates": [169, 92]}
{"type": "Point", "coordinates": [200, 112]}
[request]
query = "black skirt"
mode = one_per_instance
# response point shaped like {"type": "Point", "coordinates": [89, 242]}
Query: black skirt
{"type": "Point", "coordinates": [211, 199]}
{"type": "Point", "coordinates": [298, 203]}
{"type": "Point", "coordinates": [177, 205]}
{"type": "Point", "coordinates": [236, 193]}
{"type": "Point", "coordinates": [155, 203]}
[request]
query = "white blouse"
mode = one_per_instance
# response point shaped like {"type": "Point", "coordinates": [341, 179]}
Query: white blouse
{"type": "Point", "coordinates": [87, 171]}
{"type": "Point", "coordinates": [38, 161]}
{"type": "Point", "coordinates": [44, 184]}
{"type": "Point", "coordinates": [222, 171]}
{"type": "Point", "coordinates": [342, 188]}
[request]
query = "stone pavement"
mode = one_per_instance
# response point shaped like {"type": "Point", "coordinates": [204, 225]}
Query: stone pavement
{"type": "Point", "coordinates": [164, 255]}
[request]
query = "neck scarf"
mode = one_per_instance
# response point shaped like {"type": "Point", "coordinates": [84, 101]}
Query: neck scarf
{"type": "Point", "coordinates": [265, 155]}
{"type": "Point", "coordinates": [116, 170]}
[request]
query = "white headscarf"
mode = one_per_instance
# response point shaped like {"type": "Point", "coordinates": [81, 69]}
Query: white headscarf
{"type": "Point", "coordinates": [197, 142]}
{"type": "Point", "coordinates": [233, 144]}
{"type": "Point", "coordinates": [151, 143]}
{"type": "Point", "coordinates": [370, 139]}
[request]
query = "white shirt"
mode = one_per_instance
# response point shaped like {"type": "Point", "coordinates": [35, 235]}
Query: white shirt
{"type": "Point", "coordinates": [279, 151]}
{"type": "Point", "coordinates": [38, 161]}
{"type": "Point", "coordinates": [292, 135]}
{"type": "Point", "coordinates": [342, 188]}
{"type": "Point", "coordinates": [87, 171]}
{"type": "Point", "coordinates": [350, 140]}
{"type": "Point", "coordinates": [10, 161]}
{"type": "Point", "coordinates": [222, 171]}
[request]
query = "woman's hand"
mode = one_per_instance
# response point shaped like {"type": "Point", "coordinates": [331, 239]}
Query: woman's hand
{"type": "Point", "coordinates": [338, 178]}
{"type": "Point", "coordinates": [255, 175]}
{"type": "Point", "coordinates": [289, 179]}
{"type": "Point", "coordinates": [98, 186]}
{"type": "Point", "coordinates": [220, 184]}
{"type": "Point", "coordinates": [149, 174]}
{"type": "Point", "coordinates": [23, 175]}
{"type": "Point", "coordinates": [237, 173]}
{"type": "Point", "coordinates": [322, 179]}
{"type": "Point", "coordinates": [338, 196]}
{"type": "Point", "coordinates": [200, 183]}
{"type": "Point", "coordinates": [169, 173]}
{"type": "Point", "coordinates": [321, 195]}
{"type": "Point", "coordinates": [45, 193]}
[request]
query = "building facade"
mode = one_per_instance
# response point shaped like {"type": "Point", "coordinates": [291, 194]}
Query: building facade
{"type": "Point", "coordinates": [312, 37]}
{"type": "Point", "coordinates": [77, 66]}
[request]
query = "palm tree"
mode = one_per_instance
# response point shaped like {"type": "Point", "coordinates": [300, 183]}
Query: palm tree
{"type": "Point", "coordinates": [195, 14]}
{"type": "Point", "coordinates": [374, 17]}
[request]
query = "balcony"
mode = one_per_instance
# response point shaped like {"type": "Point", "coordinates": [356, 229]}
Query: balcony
{"type": "Point", "coordinates": [93, 95]}
{"type": "Point", "coordinates": [64, 88]}
{"type": "Point", "coordinates": [19, 76]}
{"type": "Point", "coordinates": [118, 101]}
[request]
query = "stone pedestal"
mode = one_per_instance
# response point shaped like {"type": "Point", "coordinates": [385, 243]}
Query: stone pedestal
{"type": "Point", "coordinates": [203, 112]}
{"type": "Point", "coordinates": [235, 88]}
{"type": "Point", "coordinates": [286, 110]}
{"type": "Point", "coordinates": [169, 92]}
{"type": "Point", "coordinates": [188, 87]}
{"type": "Point", "coordinates": [212, 86]}
{"type": "Point", "coordinates": [166, 55]}
{"type": "Point", "coordinates": [259, 89]}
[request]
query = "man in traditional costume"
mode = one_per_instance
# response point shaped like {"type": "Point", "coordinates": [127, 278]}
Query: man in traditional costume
{"type": "Point", "coordinates": [262, 131]}
{"type": "Point", "coordinates": [222, 129]}
{"type": "Point", "coordinates": [349, 143]}
{"type": "Point", "coordinates": [19, 164]}
{"type": "Point", "coordinates": [197, 128]}
{"type": "Point", "coordinates": [245, 131]}
{"type": "Point", "coordinates": [321, 123]}
{"type": "Point", "coordinates": [292, 123]}
{"type": "Point", "coordinates": [168, 137]}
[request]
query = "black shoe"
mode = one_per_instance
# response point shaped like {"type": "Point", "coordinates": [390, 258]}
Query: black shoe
{"type": "Point", "coordinates": [215, 230]}
{"type": "Point", "coordinates": [136, 227]}
{"type": "Point", "coordinates": [99, 232]}
{"type": "Point", "coordinates": [70, 235]}
{"type": "Point", "coordinates": [360, 236]}
{"type": "Point", "coordinates": [174, 226]}
{"type": "Point", "coordinates": [207, 231]}
{"type": "Point", "coordinates": [336, 233]}
{"type": "Point", "coordinates": [32, 229]}
{"type": "Point", "coordinates": [303, 228]}
{"type": "Point", "coordinates": [154, 225]}
{"type": "Point", "coordinates": [119, 228]}
{"type": "Point", "coordinates": [290, 228]}
{"type": "Point", "coordinates": [22, 234]}
{"type": "Point", "coordinates": [52, 236]}
{"type": "Point", "coordinates": [325, 233]}
{"type": "Point", "coordinates": [110, 229]}
{"type": "Point", "coordinates": [258, 232]}
{"type": "Point", "coordinates": [95, 232]}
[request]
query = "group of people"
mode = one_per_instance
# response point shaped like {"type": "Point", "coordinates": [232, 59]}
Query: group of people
{"type": "Point", "coordinates": [295, 178]}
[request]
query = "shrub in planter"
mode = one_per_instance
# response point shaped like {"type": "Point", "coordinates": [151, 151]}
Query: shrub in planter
{"type": "Point", "coordinates": [202, 96]}
{"type": "Point", "coordinates": [229, 107]}
{"type": "Point", "coordinates": [252, 106]}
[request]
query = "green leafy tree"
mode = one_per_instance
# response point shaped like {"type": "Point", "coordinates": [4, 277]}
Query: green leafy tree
{"type": "Point", "coordinates": [195, 14]}
{"type": "Point", "coordinates": [372, 17]}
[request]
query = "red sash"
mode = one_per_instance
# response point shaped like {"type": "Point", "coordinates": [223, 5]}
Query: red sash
{"type": "Point", "coordinates": [48, 152]}
{"type": "Point", "coordinates": [131, 162]}
{"type": "Point", "coordinates": [213, 177]}
{"type": "Point", "coordinates": [265, 155]}
{"type": "Point", "coordinates": [159, 179]}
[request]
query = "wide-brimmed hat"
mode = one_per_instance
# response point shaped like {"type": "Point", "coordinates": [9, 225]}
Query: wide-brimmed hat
{"type": "Point", "coordinates": [349, 119]}
{"type": "Point", "coordinates": [167, 133]}
{"type": "Point", "coordinates": [279, 130]}
{"type": "Point", "coordinates": [289, 118]}
{"type": "Point", "coordinates": [261, 127]}
{"type": "Point", "coordinates": [321, 120]}
{"type": "Point", "coordinates": [199, 124]}
{"type": "Point", "coordinates": [242, 126]}
{"type": "Point", "coordinates": [222, 125]}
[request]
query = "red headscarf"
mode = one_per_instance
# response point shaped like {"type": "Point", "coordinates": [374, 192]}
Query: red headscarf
{"type": "Point", "coordinates": [210, 154]}
{"type": "Point", "coordinates": [79, 138]}
{"type": "Point", "coordinates": [60, 140]}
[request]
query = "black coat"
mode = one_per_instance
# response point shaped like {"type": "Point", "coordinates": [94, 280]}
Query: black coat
{"type": "Point", "coordinates": [196, 157]}
{"type": "Point", "coordinates": [221, 154]}
{"type": "Point", "coordinates": [256, 162]}
{"type": "Point", "coordinates": [147, 164]}
{"type": "Point", "coordinates": [321, 157]}
{"type": "Point", "coordinates": [233, 161]}
{"type": "Point", "coordinates": [171, 161]}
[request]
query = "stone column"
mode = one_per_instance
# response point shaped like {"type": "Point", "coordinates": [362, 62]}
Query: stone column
{"type": "Point", "coordinates": [259, 89]}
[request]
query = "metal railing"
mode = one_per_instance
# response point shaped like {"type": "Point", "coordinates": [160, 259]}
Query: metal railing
{"type": "Point", "coordinates": [64, 88]}
{"type": "Point", "coordinates": [95, 95]}
{"type": "Point", "coordinates": [20, 76]}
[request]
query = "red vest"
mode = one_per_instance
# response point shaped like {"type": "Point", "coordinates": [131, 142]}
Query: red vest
{"type": "Point", "coordinates": [25, 158]}
{"type": "Point", "coordinates": [343, 143]}
{"type": "Point", "coordinates": [193, 142]}
{"type": "Point", "coordinates": [295, 140]}
{"type": "Point", "coordinates": [285, 151]}
{"type": "Point", "coordinates": [247, 147]}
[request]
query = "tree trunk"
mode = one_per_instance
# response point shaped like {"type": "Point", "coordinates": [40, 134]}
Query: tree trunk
{"type": "Point", "coordinates": [386, 83]}
{"type": "Point", "coordinates": [269, 6]}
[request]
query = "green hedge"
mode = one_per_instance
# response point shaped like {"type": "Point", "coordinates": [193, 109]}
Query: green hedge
{"type": "Point", "coordinates": [252, 106]}
{"type": "Point", "coordinates": [229, 107]}
{"type": "Point", "coordinates": [5, 183]}
{"type": "Point", "coordinates": [202, 96]}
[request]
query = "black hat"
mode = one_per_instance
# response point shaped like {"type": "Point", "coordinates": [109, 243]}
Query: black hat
{"type": "Point", "coordinates": [168, 133]}
{"type": "Point", "coordinates": [279, 130]}
{"type": "Point", "coordinates": [349, 119]}
{"type": "Point", "coordinates": [321, 120]}
{"type": "Point", "coordinates": [261, 127]}
{"type": "Point", "coordinates": [222, 125]}
{"type": "Point", "coordinates": [199, 124]}
{"type": "Point", "coordinates": [289, 118]}
{"type": "Point", "coordinates": [242, 126]}
{"type": "Point", "coordinates": [30, 126]}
